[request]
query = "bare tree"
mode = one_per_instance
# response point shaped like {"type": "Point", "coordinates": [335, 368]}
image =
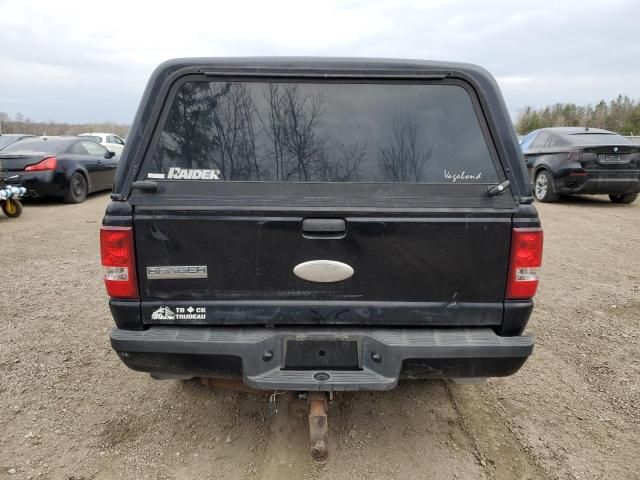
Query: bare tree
{"type": "Point", "coordinates": [212, 125]}
{"type": "Point", "coordinates": [342, 162]}
{"type": "Point", "coordinates": [301, 137]}
{"type": "Point", "coordinates": [233, 136]}
{"type": "Point", "coordinates": [404, 158]}
{"type": "Point", "coordinates": [292, 127]}
{"type": "Point", "coordinates": [274, 126]}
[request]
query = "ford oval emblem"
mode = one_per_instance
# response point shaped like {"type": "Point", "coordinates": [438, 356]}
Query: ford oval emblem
{"type": "Point", "coordinates": [324, 271]}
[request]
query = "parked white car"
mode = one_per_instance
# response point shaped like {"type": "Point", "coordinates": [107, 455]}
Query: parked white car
{"type": "Point", "coordinates": [110, 141]}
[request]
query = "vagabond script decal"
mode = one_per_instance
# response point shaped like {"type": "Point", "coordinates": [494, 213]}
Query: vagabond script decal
{"type": "Point", "coordinates": [462, 176]}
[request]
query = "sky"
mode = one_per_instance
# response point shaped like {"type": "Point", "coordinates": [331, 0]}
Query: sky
{"type": "Point", "coordinates": [75, 61]}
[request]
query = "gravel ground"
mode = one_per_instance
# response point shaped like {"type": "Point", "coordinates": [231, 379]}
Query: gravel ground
{"type": "Point", "coordinates": [70, 410]}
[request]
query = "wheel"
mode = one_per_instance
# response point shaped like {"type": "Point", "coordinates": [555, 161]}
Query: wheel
{"type": "Point", "coordinates": [624, 198]}
{"type": "Point", "coordinates": [543, 187]}
{"type": "Point", "coordinates": [12, 208]}
{"type": "Point", "coordinates": [77, 190]}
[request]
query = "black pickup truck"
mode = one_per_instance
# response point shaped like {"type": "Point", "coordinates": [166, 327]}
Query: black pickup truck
{"type": "Point", "coordinates": [317, 224]}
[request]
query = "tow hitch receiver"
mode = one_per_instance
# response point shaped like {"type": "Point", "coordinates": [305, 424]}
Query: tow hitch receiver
{"type": "Point", "coordinates": [318, 426]}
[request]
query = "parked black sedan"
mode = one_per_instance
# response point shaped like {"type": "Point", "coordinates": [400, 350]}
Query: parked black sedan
{"type": "Point", "coordinates": [564, 160]}
{"type": "Point", "coordinates": [67, 167]}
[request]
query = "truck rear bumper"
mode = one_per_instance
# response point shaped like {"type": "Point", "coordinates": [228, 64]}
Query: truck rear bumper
{"type": "Point", "coordinates": [259, 355]}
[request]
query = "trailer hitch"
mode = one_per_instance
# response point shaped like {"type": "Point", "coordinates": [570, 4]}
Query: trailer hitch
{"type": "Point", "coordinates": [318, 403]}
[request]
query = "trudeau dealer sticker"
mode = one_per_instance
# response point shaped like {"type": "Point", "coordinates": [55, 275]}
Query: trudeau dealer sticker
{"type": "Point", "coordinates": [180, 313]}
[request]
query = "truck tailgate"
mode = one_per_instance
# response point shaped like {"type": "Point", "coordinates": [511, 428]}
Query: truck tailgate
{"type": "Point", "coordinates": [440, 270]}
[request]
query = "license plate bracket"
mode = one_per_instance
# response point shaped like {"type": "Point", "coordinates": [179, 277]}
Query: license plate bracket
{"type": "Point", "coordinates": [322, 355]}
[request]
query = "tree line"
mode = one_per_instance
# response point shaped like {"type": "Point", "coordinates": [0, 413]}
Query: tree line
{"type": "Point", "coordinates": [18, 123]}
{"type": "Point", "coordinates": [620, 115]}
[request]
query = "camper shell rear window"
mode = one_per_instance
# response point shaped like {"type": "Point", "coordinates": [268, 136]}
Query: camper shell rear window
{"type": "Point", "coordinates": [314, 132]}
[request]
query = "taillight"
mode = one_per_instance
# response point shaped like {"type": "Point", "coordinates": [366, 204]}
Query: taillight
{"type": "Point", "coordinates": [116, 250]}
{"type": "Point", "coordinates": [49, 163]}
{"type": "Point", "coordinates": [526, 259]}
{"type": "Point", "coordinates": [582, 156]}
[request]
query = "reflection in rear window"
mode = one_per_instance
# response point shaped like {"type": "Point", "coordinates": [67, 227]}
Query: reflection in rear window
{"type": "Point", "coordinates": [329, 132]}
{"type": "Point", "coordinates": [35, 146]}
{"type": "Point", "coordinates": [601, 138]}
{"type": "Point", "coordinates": [5, 140]}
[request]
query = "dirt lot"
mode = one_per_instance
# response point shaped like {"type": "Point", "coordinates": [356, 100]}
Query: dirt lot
{"type": "Point", "coordinates": [70, 410]}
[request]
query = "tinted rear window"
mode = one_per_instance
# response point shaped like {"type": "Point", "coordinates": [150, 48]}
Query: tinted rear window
{"type": "Point", "coordinates": [600, 138]}
{"type": "Point", "coordinates": [6, 140]}
{"type": "Point", "coordinates": [35, 146]}
{"type": "Point", "coordinates": [328, 132]}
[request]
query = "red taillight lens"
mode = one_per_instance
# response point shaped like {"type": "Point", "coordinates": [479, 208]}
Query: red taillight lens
{"type": "Point", "coordinates": [116, 249]}
{"type": "Point", "coordinates": [526, 259]}
{"type": "Point", "coordinates": [49, 163]}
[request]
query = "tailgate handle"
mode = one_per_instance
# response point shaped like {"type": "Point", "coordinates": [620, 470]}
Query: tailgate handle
{"type": "Point", "coordinates": [324, 228]}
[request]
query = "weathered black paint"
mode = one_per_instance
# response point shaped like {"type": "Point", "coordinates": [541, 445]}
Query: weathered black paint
{"type": "Point", "coordinates": [418, 258]}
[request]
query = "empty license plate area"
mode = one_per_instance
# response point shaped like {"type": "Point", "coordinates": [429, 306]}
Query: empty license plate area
{"type": "Point", "coordinates": [613, 158]}
{"type": "Point", "coordinates": [321, 355]}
